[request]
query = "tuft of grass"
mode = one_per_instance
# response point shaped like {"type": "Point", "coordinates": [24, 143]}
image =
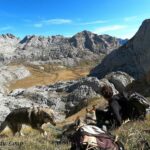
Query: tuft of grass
{"type": "Point", "coordinates": [33, 141]}
{"type": "Point", "coordinates": [134, 134]}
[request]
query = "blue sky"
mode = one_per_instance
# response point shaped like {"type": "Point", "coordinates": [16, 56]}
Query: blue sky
{"type": "Point", "coordinates": [67, 17]}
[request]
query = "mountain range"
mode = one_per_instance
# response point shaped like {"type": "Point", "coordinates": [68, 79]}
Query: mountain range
{"type": "Point", "coordinates": [82, 46]}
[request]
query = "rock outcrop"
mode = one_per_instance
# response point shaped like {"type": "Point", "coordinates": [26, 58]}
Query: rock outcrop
{"type": "Point", "coordinates": [120, 80]}
{"type": "Point", "coordinates": [41, 97]}
{"type": "Point", "coordinates": [83, 91]}
{"type": "Point", "coordinates": [9, 103]}
{"type": "Point", "coordinates": [8, 44]}
{"type": "Point", "coordinates": [79, 98]}
{"type": "Point", "coordinates": [65, 98]}
{"type": "Point", "coordinates": [132, 58]}
{"type": "Point", "coordinates": [10, 74]}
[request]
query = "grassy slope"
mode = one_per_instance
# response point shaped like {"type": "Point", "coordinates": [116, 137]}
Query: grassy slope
{"type": "Point", "coordinates": [130, 134]}
{"type": "Point", "coordinates": [133, 133]}
{"type": "Point", "coordinates": [32, 141]}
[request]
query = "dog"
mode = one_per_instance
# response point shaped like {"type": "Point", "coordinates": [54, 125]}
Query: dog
{"type": "Point", "coordinates": [32, 116]}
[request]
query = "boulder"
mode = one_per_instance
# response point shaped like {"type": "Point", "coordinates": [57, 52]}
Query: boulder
{"type": "Point", "coordinates": [104, 81]}
{"type": "Point", "coordinates": [79, 98]}
{"type": "Point", "coordinates": [61, 86]}
{"type": "Point", "coordinates": [92, 82]}
{"type": "Point", "coordinates": [120, 80]}
{"type": "Point", "coordinates": [82, 91]}
{"type": "Point", "coordinates": [40, 96]}
{"type": "Point", "coordinates": [16, 92]}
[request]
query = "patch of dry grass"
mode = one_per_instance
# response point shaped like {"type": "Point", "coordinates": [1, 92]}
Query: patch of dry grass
{"type": "Point", "coordinates": [131, 135]}
{"type": "Point", "coordinates": [44, 75]}
{"type": "Point", "coordinates": [32, 141]}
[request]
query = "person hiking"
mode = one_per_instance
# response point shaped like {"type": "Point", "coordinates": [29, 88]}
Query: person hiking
{"type": "Point", "coordinates": [113, 103]}
{"type": "Point", "coordinates": [125, 105]}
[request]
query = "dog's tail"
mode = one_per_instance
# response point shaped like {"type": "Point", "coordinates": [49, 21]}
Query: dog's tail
{"type": "Point", "coordinates": [3, 126]}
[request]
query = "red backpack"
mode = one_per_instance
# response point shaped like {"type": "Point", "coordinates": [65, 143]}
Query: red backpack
{"type": "Point", "coordinates": [90, 137]}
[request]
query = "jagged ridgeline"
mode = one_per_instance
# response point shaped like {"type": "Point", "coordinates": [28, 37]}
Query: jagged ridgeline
{"type": "Point", "coordinates": [57, 49]}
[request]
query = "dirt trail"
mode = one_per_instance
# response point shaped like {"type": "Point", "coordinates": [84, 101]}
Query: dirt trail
{"type": "Point", "coordinates": [41, 77]}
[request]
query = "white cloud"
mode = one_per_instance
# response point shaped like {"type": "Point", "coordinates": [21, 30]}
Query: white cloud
{"type": "Point", "coordinates": [52, 22]}
{"type": "Point", "coordinates": [128, 34]}
{"type": "Point", "coordinates": [109, 28]}
{"type": "Point", "coordinates": [93, 22]}
{"type": "Point", "coordinates": [5, 28]}
{"type": "Point", "coordinates": [131, 18]}
{"type": "Point", "coordinates": [57, 21]}
{"type": "Point", "coordinates": [27, 20]}
{"type": "Point", "coordinates": [38, 25]}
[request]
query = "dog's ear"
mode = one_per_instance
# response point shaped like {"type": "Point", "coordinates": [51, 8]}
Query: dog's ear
{"type": "Point", "coordinates": [87, 110]}
{"type": "Point", "coordinates": [94, 107]}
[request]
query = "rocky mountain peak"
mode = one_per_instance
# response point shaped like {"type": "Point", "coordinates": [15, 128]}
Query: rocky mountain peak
{"type": "Point", "coordinates": [94, 42]}
{"type": "Point", "coordinates": [84, 33]}
{"type": "Point", "coordinates": [26, 39]}
{"type": "Point", "coordinates": [132, 58]}
{"type": "Point", "coordinates": [8, 43]}
{"type": "Point", "coordinates": [144, 25]}
{"type": "Point", "coordinates": [8, 36]}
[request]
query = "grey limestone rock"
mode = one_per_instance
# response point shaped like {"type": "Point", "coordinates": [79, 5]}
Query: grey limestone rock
{"type": "Point", "coordinates": [10, 74]}
{"type": "Point", "coordinates": [79, 98]}
{"type": "Point", "coordinates": [120, 80]}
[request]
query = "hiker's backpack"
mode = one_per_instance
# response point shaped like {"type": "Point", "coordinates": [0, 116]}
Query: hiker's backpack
{"type": "Point", "coordinates": [90, 137]}
{"type": "Point", "coordinates": [136, 97]}
{"type": "Point", "coordinates": [140, 104]}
